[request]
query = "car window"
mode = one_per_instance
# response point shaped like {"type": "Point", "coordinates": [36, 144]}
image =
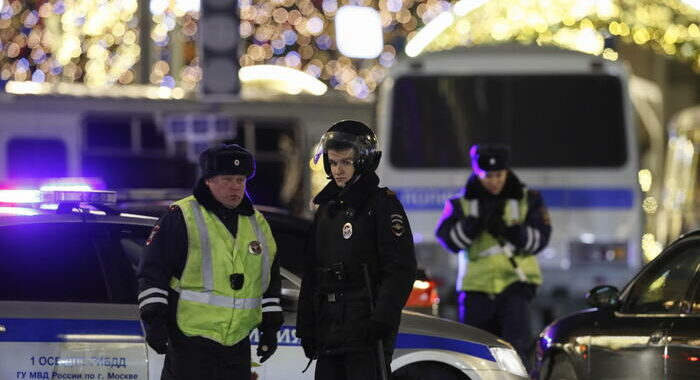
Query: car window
{"type": "Point", "coordinates": [662, 287]}
{"type": "Point", "coordinates": [694, 300]}
{"type": "Point", "coordinates": [50, 262]}
{"type": "Point", "coordinates": [120, 248]}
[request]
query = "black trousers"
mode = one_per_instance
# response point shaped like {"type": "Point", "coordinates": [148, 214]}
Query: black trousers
{"type": "Point", "coordinates": [193, 358]}
{"type": "Point", "coordinates": [351, 366]}
{"type": "Point", "coordinates": [506, 314]}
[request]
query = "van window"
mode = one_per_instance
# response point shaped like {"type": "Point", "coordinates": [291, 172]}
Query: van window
{"type": "Point", "coordinates": [548, 120]}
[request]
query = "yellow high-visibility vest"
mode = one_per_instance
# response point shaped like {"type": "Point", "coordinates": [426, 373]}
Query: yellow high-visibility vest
{"type": "Point", "coordinates": [208, 305]}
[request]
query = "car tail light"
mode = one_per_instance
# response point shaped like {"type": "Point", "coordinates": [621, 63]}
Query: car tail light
{"type": "Point", "coordinates": [424, 294]}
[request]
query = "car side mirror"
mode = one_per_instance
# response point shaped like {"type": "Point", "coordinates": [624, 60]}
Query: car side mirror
{"type": "Point", "coordinates": [604, 297]}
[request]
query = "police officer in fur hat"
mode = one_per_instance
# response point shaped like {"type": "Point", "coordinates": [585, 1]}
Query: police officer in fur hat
{"type": "Point", "coordinates": [496, 226]}
{"type": "Point", "coordinates": [210, 275]}
{"type": "Point", "coordinates": [360, 262]}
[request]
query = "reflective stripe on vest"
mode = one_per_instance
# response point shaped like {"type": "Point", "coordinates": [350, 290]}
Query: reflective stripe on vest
{"type": "Point", "coordinates": [222, 301]}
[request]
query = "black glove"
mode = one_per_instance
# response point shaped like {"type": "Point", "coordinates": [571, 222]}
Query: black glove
{"type": "Point", "coordinates": [496, 226]}
{"type": "Point", "coordinates": [376, 331]}
{"type": "Point", "coordinates": [471, 226]}
{"type": "Point", "coordinates": [309, 346]}
{"type": "Point", "coordinates": [157, 335]}
{"type": "Point", "coordinates": [517, 235]}
{"type": "Point", "coordinates": [267, 344]}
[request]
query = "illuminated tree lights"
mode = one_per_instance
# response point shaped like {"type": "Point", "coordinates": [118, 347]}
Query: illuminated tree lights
{"type": "Point", "coordinates": [97, 42]}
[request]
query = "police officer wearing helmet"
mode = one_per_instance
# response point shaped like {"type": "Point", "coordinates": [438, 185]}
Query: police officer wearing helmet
{"type": "Point", "coordinates": [210, 275]}
{"type": "Point", "coordinates": [496, 226]}
{"type": "Point", "coordinates": [360, 262]}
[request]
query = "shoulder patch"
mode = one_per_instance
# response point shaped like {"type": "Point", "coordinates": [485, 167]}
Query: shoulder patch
{"type": "Point", "coordinates": [173, 207]}
{"type": "Point", "coordinates": [397, 224]}
{"type": "Point", "coordinates": [390, 192]}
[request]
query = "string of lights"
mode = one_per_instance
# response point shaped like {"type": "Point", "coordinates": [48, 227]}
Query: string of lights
{"type": "Point", "coordinates": [97, 43]}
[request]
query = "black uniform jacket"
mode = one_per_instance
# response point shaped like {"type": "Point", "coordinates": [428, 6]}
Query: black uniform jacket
{"type": "Point", "coordinates": [456, 229]}
{"type": "Point", "coordinates": [166, 253]}
{"type": "Point", "coordinates": [357, 227]}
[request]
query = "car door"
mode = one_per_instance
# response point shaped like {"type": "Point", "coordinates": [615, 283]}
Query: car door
{"type": "Point", "coordinates": [59, 315]}
{"type": "Point", "coordinates": [634, 341]}
{"type": "Point", "coordinates": [683, 356]}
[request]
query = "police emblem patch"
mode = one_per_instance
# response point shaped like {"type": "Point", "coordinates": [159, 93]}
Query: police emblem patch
{"type": "Point", "coordinates": [347, 231]}
{"type": "Point", "coordinates": [255, 248]}
{"type": "Point", "coordinates": [153, 234]}
{"type": "Point", "coordinates": [397, 224]}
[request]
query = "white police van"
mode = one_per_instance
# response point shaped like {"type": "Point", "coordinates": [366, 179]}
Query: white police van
{"type": "Point", "coordinates": [68, 302]}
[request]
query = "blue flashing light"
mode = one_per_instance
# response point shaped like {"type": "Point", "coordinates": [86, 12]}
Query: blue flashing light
{"type": "Point", "coordinates": [72, 184]}
{"type": "Point", "coordinates": [65, 187]}
{"type": "Point", "coordinates": [54, 197]}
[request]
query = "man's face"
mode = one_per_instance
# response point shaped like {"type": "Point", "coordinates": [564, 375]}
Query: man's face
{"type": "Point", "coordinates": [493, 181]}
{"type": "Point", "coordinates": [342, 165]}
{"type": "Point", "coordinates": [229, 190]}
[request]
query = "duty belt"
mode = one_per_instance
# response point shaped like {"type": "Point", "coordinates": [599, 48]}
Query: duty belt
{"type": "Point", "coordinates": [344, 295]}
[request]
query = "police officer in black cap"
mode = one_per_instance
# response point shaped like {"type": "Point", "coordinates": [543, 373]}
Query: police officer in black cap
{"type": "Point", "coordinates": [210, 275]}
{"type": "Point", "coordinates": [496, 226]}
{"type": "Point", "coordinates": [360, 262]}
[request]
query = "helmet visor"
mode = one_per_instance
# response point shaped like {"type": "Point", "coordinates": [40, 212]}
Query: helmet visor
{"type": "Point", "coordinates": [362, 145]}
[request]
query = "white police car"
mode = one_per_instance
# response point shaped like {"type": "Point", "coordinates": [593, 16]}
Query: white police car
{"type": "Point", "coordinates": [68, 302]}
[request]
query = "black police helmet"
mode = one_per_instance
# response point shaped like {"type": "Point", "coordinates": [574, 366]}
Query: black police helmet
{"type": "Point", "coordinates": [350, 134]}
{"type": "Point", "coordinates": [226, 159]}
{"type": "Point", "coordinates": [489, 157]}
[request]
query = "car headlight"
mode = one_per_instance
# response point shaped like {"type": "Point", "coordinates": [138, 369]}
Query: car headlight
{"type": "Point", "coordinates": [508, 360]}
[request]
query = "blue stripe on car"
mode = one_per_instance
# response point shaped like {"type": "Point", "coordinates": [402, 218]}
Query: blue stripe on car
{"type": "Point", "coordinates": [433, 198]}
{"type": "Point", "coordinates": [415, 341]}
{"type": "Point", "coordinates": [287, 337]}
{"type": "Point", "coordinates": [56, 330]}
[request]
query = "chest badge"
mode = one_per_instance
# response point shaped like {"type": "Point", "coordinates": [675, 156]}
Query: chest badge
{"type": "Point", "coordinates": [347, 231]}
{"type": "Point", "coordinates": [255, 248]}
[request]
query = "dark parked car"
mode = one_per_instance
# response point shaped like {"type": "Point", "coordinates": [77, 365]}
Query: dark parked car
{"type": "Point", "coordinates": [649, 330]}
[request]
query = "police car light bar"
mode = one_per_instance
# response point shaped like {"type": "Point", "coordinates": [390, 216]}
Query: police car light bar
{"type": "Point", "coordinates": [36, 196]}
{"type": "Point", "coordinates": [95, 196]}
{"type": "Point", "coordinates": [20, 196]}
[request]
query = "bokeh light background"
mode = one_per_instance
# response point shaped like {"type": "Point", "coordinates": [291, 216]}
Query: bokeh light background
{"type": "Point", "coordinates": [101, 43]}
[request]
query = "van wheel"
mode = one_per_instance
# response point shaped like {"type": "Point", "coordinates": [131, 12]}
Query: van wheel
{"type": "Point", "coordinates": [428, 371]}
{"type": "Point", "coordinates": [559, 367]}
